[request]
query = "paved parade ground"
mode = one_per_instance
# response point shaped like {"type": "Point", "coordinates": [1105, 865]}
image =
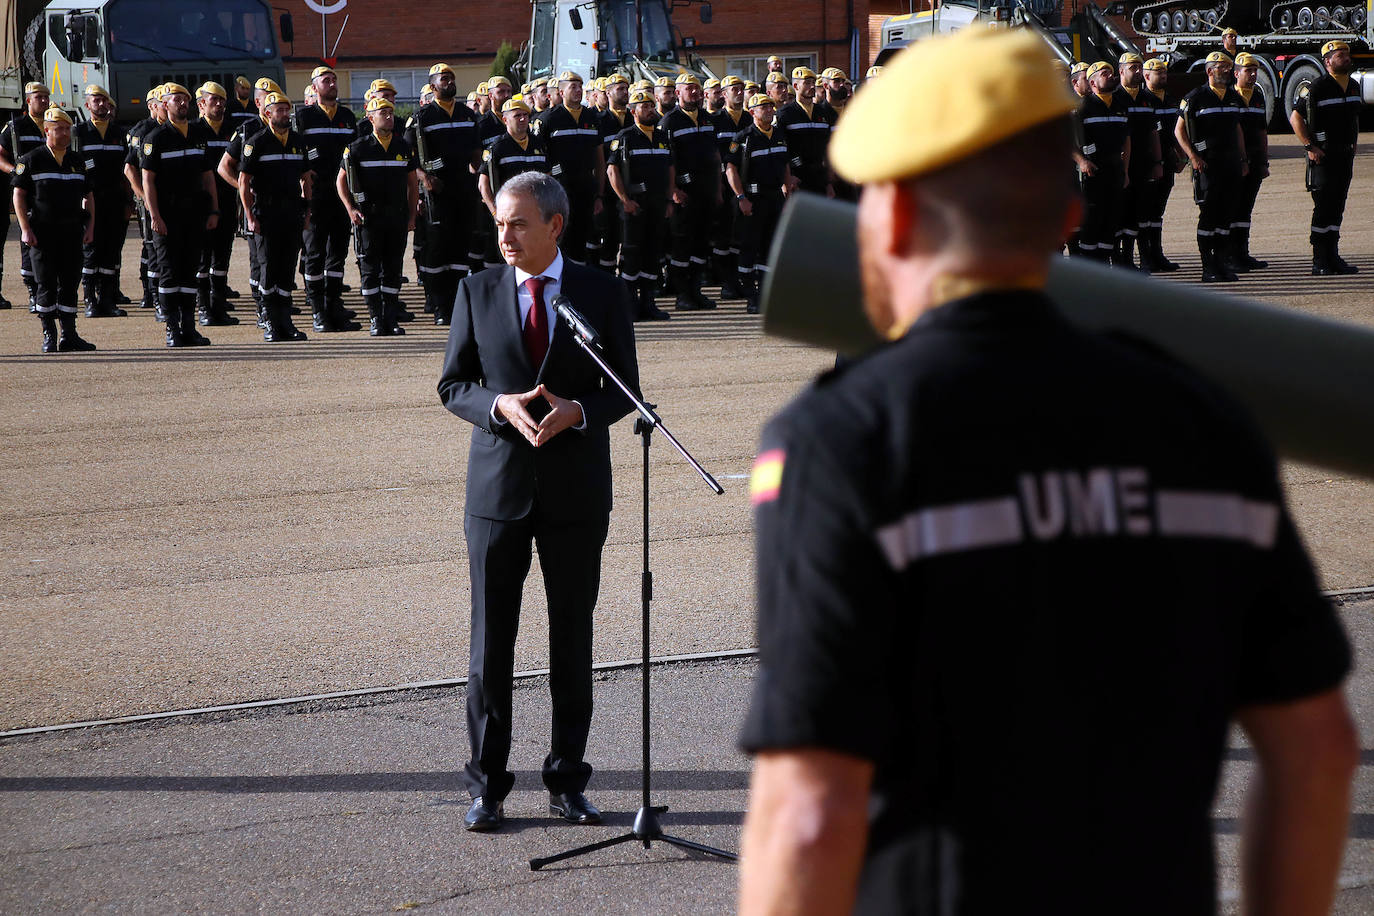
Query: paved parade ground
{"type": "Point", "coordinates": [249, 521]}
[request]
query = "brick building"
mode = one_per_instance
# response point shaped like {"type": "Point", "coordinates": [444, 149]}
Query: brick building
{"type": "Point", "coordinates": [400, 41]}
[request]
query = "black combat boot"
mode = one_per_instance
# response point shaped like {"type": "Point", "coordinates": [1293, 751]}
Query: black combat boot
{"type": "Point", "coordinates": [729, 276]}
{"type": "Point", "coordinates": [107, 296]}
{"type": "Point", "coordinates": [71, 342]}
{"type": "Point", "coordinates": [189, 332]}
{"type": "Point", "coordinates": [49, 321]}
{"type": "Point", "coordinates": [1242, 237]}
{"type": "Point", "coordinates": [279, 327]}
{"type": "Point", "coordinates": [395, 313]}
{"type": "Point", "coordinates": [751, 293]}
{"type": "Point", "coordinates": [1339, 264]}
{"type": "Point", "coordinates": [704, 302]}
{"type": "Point", "coordinates": [646, 309]}
{"type": "Point", "coordinates": [90, 298]}
{"type": "Point", "coordinates": [1162, 263]}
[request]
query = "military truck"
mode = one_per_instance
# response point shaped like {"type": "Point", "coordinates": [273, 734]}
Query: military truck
{"type": "Point", "coordinates": [600, 37]}
{"type": "Point", "coordinates": [129, 46]}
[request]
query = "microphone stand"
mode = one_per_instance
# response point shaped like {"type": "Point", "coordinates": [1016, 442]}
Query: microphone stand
{"type": "Point", "coordinates": [646, 828]}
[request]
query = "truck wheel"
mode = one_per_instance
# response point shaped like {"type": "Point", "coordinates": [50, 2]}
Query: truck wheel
{"type": "Point", "coordinates": [35, 41]}
{"type": "Point", "coordinates": [1300, 75]}
{"type": "Point", "coordinates": [1264, 78]}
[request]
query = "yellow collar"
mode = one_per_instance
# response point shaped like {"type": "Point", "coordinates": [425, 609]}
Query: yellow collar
{"type": "Point", "coordinates": [183, 128]}
{"type": "Point", "coordinates": [647, 131]}
{"type": "Point", "coordinates": [735, 113]}
{"type": "Point", "coordinates": [691, 114]}
{"type": "Point", "coordinates": [281, 137]}
{"type": "Point", "coordinates": [1159, 93]}
{"type": "Point", "coordinates": [1246, 93]}
{"type": "Point", "coordinates": [446, 106]}
{"type": "Point", "coordinates": [383, 139]}
{"type": "Point", "coordinates": [1342, 81]}
{"type": "Point", "coordinates": [949, 287]}
{"type": "Point", "coordinates": [1219, 93]}
{"type": "Point", "coordinates": [806, 108]}
{"type": "Point", "coordinates": [524, 144]}
{"type": "Point", "coordinates": [37, 122]}
{"type": "Point", "coordinates": [767, 133]}
{"type": "Point", "coordinates": [575, 112]}
{"type": "Point", "coordinates": [57, 154]}
{"type": "Point", "coordinates": [1133, 93]}
{"type": "Point", "coordinates": [1106, 99]}
{"type": "Point", "coordinates": [214, 125]}
{"type": "Point", "coordinates": [101, 127]}
{"type": "Point", "coordinates": [329, 110]}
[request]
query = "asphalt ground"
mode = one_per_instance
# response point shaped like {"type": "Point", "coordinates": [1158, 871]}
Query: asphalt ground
{"type": "Point", "coordinates": [251, 521]}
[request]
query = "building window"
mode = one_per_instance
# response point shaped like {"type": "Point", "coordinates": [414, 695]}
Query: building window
{"type": "Point", "coordinates": [756, 68]}
{"type": "Point", "coordinates": [408, 83]}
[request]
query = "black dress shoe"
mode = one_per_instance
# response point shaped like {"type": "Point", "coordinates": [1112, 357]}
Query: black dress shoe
{"type": "Point", "coordinates": [484, 815]}
{"type": "Point", "coordinates": [574, 807]}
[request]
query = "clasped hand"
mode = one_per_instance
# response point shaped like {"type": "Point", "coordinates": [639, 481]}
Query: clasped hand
{"type": "Point", "coordinates": [562, 415]}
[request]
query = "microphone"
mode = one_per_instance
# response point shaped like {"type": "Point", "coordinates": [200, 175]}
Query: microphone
{"type": "Point", "coordinates": [580, 326]}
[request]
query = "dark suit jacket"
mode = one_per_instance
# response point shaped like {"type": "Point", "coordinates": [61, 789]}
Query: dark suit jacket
{"type": "Point", "coordinates": [570, 475]}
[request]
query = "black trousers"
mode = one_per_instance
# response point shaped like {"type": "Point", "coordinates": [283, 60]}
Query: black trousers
{"type": "Point", "coordinates": [381, 248]}
{"type": "Point", "coordinates": [213, 273]}
{"type": "Point", "coordinates": [447, 237]}
{"type": "Point", "coordinates": [1217, 192]}
{"type": "Point", "coordinates": [56, 265]}
{"type": "Point", "coordinates": [326, 250]}
{"type": "Point", "coordinates": [642, 237]}
{"type": "Point", "coordinates": [177, 258]}
{"type": "Point", "coordinates": [101, 257]}
{"type": "Point", "coordinates": [579, 242]}
{"type": "Point", "coordinates": [690, 223]}
{"type": "Point", "coordinates": [499, 555]}
{"type": "Point", "coordinates": [1246, 196]}
{"type": "Point", "coordinates": [1136, 202]}
{"type": "Point", "coordinates": [1159, 199]}
{"type": "Point", "coordinates": [1330, 183]}
{"type": "Point", "coordinates": [755, 231]}
{"type": "Point", "coordinates": [1102, 203]}
{"type": "Point", "coordinates": [279, 248]}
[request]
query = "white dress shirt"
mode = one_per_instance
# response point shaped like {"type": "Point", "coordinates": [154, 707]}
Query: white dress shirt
{"type": "Point", "coordinates": [553, 284]}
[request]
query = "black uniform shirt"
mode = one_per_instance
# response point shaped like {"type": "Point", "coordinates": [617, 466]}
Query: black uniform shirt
{"type": "Point", "coordinates": [1167, 112]}
{"type": "Point", "coordinates": [611, 125]}
{"type": "Point", "coordinates": [1254, 124]}
{"type": "Point", "coordinates": [276, 167]}
{"type": "Point", "coordinates": [177, 163]}
{"type": "Point", "coordinates": [1332, 113]}
{"type": "Point", "coordinates": [761, 159]}
{"type": "Point", "coordinates": [491, 127]}
{"type": "Point", "coordinates": [325, 137]}
{"type": "Point", "coordinates": [21, 135]}
{"type": "Point", "coordinates": [693, 142]}
{"type": "Point", "coordinates": [644, 163]}
{"type": "Point", "coordinates": [216, 145]}
{"type": "Point", "coordinates": [727, 128]}
{"type": "Point", "coordinates": [135, 138]}
{"type": "Point", "coordinates": [1213, 120]}
{"type": "Point", "coordinates": [505, 158]}
{"type": "Point", "coordinates": [450, 140]}
{"type": "Point", "coordinates": [382, 173]}
{"type": "Point", "coordinates": [240, 113]}
{"type": "Point", "coordinates": [1030, 574]}
{"type": "Point", "coordinates": [807, 135]}
{"type": "Point", "coordinates": [570, 142]}
{"type": "Point", "coordinates": [242, 137]}
{"type": "Point", "coordinates": [103, 155]}
{"type": "Point", "coordinates": [55, 190]}
{"type": "Point", "coordinates": [1142, 120]}
{"type": "Point", "coordinates": [1105, 129]}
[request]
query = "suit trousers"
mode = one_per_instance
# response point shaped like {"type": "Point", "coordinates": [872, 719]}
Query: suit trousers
{"type": "Point", "coordinates": [499, 553]}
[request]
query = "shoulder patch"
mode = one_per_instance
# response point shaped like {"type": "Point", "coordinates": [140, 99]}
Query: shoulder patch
{"type": "Point", "coordinates": [1183, 105]}
{"type": "Point", "coordinates": [248, 150]}
{"type": "Point", "coordinates": [19, 169]}
{"type": "Point", "coordinates": [766, 480]}
{"type": "Point", "coordinates": [486, 155]}
{"type": "Point", "coordinates": [1302, 93]}
{"type": "Point", "coordinates": [400, 158]}
{"type": "Point", "coordinates": [615, 145]}
{"type": "Point", "coordinates": [534, 128]}
{"type": "Point", "coordinates": [734, 146]}
{"type": "Point", "coordinates": [147, 149]}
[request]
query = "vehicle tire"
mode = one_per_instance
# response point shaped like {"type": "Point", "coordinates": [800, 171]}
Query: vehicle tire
{"type": "Point", "coordinates": [1298, 76]}
{"type": "Point", "coordinates": [35, 42]}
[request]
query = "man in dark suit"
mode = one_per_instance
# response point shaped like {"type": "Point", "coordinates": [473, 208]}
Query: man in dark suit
{"type": "Point", "coordinates": [539, 471]}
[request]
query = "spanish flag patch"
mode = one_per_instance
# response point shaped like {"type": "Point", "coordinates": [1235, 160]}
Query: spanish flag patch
{"type": "Point", "coordinates": [767, 477]}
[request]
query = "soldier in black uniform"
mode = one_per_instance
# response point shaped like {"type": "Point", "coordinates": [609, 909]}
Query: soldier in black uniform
{"type": "Point", "coordinates": [242, 108]}
{"type": "Point", "coordinates": [180, 192]}
{"type": "Point", "coordinates": [1208, 132]}
{"type": "Point", "coordinates": [147, 261]}
{"type": "Point", "coordinates": [1173, 162]}
{"type": "Point", "coordinates": [924, 747]}
{"type": "Point", "coordinates": [377, 185]}
{"type": "Point", "coordinates": [378, 89]}
{"type": "Point", "coordinates": [640, 173]}
{"type": "Point", "coordinates": [571, 137]}
{"type": "Point", "coordinates": [448, 142]}
{"type": "Point", "coordinates": [212, 279]}
{"type": "Point", "coordinates": [805, 127]}
{"type": "Point", "coordinates": [482, 250]}
{"type": "Point", "coordinates": [228, 170]}
{"type": "Point", "coordinates": [760, 176]}
{"type": "Point", "coordinates": [776, 87]}
{"type": "Point", "coordinates": [514, 152]}
{"type": "Point", "coordinates": [1147, 165]}
{"type": "Point", "coordinates": [729, 121]}
{"type": "Point", "coordinates": [1254, 126]}
{"type": "Point", "coordinates": [665, 95]}
{"type": "Point", "coordinates": [1326, 120]}
{"type": "Point", "coordinates": [616, 117]}
{"type": "Point", "coordinates": [274, 185]}
{"type": "Point", "coordinates": [102, 145]}
{"type": "Point", "coordinates": [22, 135]}
{"type": "Point", "coordinates": [326, 127]}
{"type": "Point", "coordinates": [56, 213]}
{"type": "Point", "coordinates": [713, 96]}
{"type": "Point", "coordinates": [1104, 161]}
{"type": "Point", "coordinates": [691, 135]}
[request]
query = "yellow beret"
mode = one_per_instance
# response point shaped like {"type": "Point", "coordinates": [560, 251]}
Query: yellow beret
{"type": "Point", "coordinates": [751, 86]}
{"type": "Point", "coordinates": [1229, 31]}
{"type": "Point", "coordinates": [600, 83]}
{"type": "Point", "coordinates": [321, 71]}
{"type": "Point", "coordinates": [173, 89]}
{"type": "Point", "coordinates": [275, 98]}
{"type": "Point", "coordinates": [380, 85]}
{"type": "Point", "coordinates": [687, 79]}
{"type": "Point", "coordinates": [664, 81]}
{"type": "Point", "coordinates": [440, 68]}
{"type": "Point", "coordinates": [642, 84]}
{"type": "Point", "coordinates": [526, 88]}
{"type": "Point", "coordinates": [641, 95]}
{"type": "Point", "coordinates": [758, 99]}
{"type": "Point", "coordinates": [210, 88]}
{"type": "Point", "coordinates": [514, 104]}
{"type": "Point", "coordinates": [242, 80]}
{"type": "Point", "coordinates": [567, 76]}
{"type": "Point", "coordinates": [731, 80]}
{"type": "Point", "coordinates": [803, 73]}
{"type": "Point", "coordinates": [1079, 67]}
{"type": "Point", "coordinates": [56, 114]}
{"type": "Point", "coordinates": [712, 83]}
{"type": "Point", "coordinates": [774, 57]}
{"type": "Point", "coordinates": [1332, 46]}
{"type": "Point", "coordinates": [482, 89]}
{"type": "Point", "coordinates": [887, 133]}
{"type": "Point", "coordinates": [833, 73]}
{"type": "Point", "coordinates": [775, 78]}
{"type": "Point", "coordinates": [154, 94]}
{"type": "Point", "coordinates": [1218, 57]}
{"type": "Point", "coordinates": [494, 81]}
{"type": "Point", "coordinates": [426, 91]}
{"type": "Point", "coordinates": [1099, 67]}
{"type": "Point", "coordinates": [266, 85]}
{"type": "Point", "coordinates": [616, 78]}
{"type": "Point", "coordinates": [1246, 59]}
{"type": "Point", "coordinates": [377, 103]}
{"type": "Point", "coordinates": [873, 72]}
{"type": "Point", "coordinates": [472, 96]}
{"type": "Point", "coordinates": [93, 89]}
{"type": "Point", "coordinates": [31, 88]}
{"type": "Point", "coordinates": [1130, 57]}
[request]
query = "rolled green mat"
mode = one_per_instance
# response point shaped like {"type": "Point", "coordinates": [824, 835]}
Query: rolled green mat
{"type": "Point", "coordinates": [1308, 381]}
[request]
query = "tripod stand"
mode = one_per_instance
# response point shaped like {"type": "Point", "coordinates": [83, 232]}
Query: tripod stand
{"type": "Point", "coordinates": [646, 828]}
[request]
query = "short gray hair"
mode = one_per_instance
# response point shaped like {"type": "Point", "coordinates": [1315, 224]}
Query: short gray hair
{"type": "Point", "coordinates": [547, 193]}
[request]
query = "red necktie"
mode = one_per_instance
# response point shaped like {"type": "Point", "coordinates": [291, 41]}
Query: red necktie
{"type": "Point", "coordinates": [536, 330]}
